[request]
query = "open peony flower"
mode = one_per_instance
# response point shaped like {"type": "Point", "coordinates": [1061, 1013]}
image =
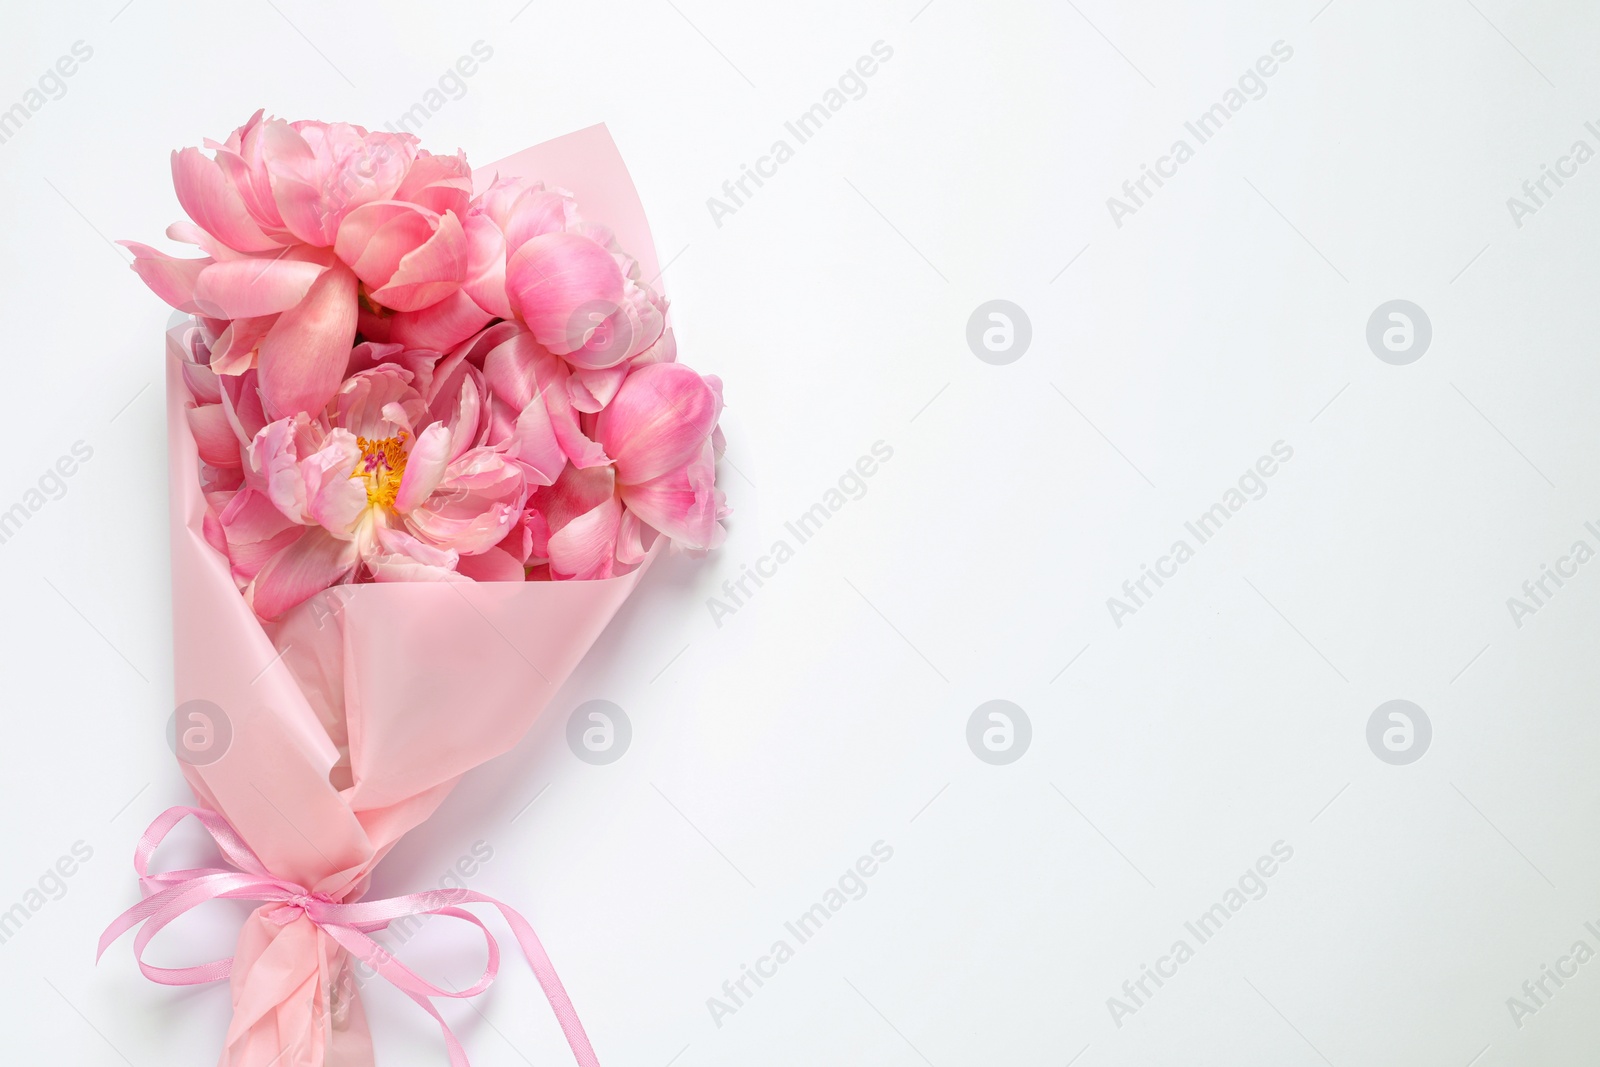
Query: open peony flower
{"type": "Point", "coordinates": [275, 183]}
{"type": "Point", "coordinates": [301, 223]}
{"type": "Point", "coordinates": [660, 439]}
{"type": "Point", "coordinates": [378, 481]}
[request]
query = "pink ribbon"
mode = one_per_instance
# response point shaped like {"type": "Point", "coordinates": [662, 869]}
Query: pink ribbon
{"type": "Point", "coordinates": [171, 894]}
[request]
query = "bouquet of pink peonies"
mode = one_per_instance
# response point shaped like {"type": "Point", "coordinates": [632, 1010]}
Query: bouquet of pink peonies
{"type": "Point", "coordinates": [427, 429]}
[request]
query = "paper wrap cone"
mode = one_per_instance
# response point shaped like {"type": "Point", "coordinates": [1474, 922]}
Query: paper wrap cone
{"type": "Point", "coordinates": [353, 716]}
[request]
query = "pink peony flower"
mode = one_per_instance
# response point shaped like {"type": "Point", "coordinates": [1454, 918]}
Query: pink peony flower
{"type": "Point", "coordinates": [660, 439]}
{"type": "Point", "coordinates": [298, 220]}
{"type": "Point", "coordinates": [275, 183]}
{"type": "Point", "coordinates": [533, 258]}
{"type": "Point", "coordinates": [661, 434]}
{"type": "Point", "coordinates": [378, 480]}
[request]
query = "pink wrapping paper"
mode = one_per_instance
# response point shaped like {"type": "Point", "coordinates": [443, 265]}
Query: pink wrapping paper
{"type": "Point", "coordinates": [354, 715]}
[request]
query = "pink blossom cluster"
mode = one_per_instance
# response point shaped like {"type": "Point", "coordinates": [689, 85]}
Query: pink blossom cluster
{"type": "Point", "coordinates": [394, 379]}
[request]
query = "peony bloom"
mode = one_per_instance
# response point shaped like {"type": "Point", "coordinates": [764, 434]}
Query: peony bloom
{"type": "Point", "coordinates": [303, 223]}
{"type": "Point", "coordinates": [377, 481]}
{"type": "Point", "coordinates": [275, 183]}
{"type": "Point", "coordinates": [662, 436]}
{"type": "Point", "coordinates": [660, 441]}
{"type": "Point", "coordinates": [532, 258]}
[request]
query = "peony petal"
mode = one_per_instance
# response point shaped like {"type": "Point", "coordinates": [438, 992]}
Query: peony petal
{"type": "Point", "coordinates": [557, 283]}
{"type": "Point", "coordinates": [236, 350]}
{"type": "Point", "coordinates": [428, 273]}
{"type": "Point", "coordinates": [247, 288]}
{"type": "Point", "coordinates": [213, 435]}
{"type": "Point", "coordinates": [580, 449]}
{"type": "Point", "coordinates": [201, 381]}
{"type": "Point", "coordinates": [308, 566]}
{"type": "Point", "coordinates": [684, 504]}
{"type": "Point", "coordinates": [440, 385]}
{"type": "Point", "coordinates": [362, 403]}
{"type": "Point", "coordinates": [374, 238]}
{"type": "Point", "coordinates": [437, 328]}
{"type": "Point", "coordinates": [591, 390]}
{"type": "Point", "coordinates": [243, 160]}
{"type": "Point", "coordinates": [534, 444]}
{"type": "Point", "coordinates": [486, 265]}
{"type": "Point", "coordinates": [274, 454]}
{"type": "Point", "coordinates": [538, 532]}
{"type": "Point", "coordinates": [211, 530]}
{"type": "Point", "coordinates": [608, 335]}
{"type": "Point", "coordinates": [665, 350]}
{"type": "Point", "coordinates": [660, 418]}
{"type": "Point", "coordinates": [221, 481]}
{"type": "Point", "coordinates": [212, 201]}
{"type": "Point", "coordinates": [335, 500]}
{"type": "Point", "coordinates": [586, 547]}
{"type": "Point", "coordinates": [528, 539]}
{"type": "Point", "coordinates": [425, 467]}
{"type": "Point", "coordinates": [480, 496]}
{"type": "Point", "coordinates": [633, 539]}
{"type": "Point", "coordinates": [438, 183]}
{"type": "Point", "coordinates": [304, 355]}
{"type": "Point", "coordinates": [398, 567]}
{"type": "Point", "coordinates": [170, 278]}
{"type": "Point", "coordinates": [400, 557]}
{"type": "Point", "coordinates": [574, 492]}
{"type": "Point", "coordinates": [492, 565]}
{"type": "Point", "coordinates": [361, 166]}
{"type": "Point", "coordinates": [296, 180]}
{"type": "Point", "coordinates": [390, 539]}
{"type": "Point", "coordinates": [502, 420]}
{"type": "Point", "coordinates": [538, 211]}
{"type": "Point", "coordinates": [242, 400]}
{"type": "Point", "coordinates": [185, 232]}
{"type": "Point", "coordinates": [463, 421]}
{"type": "Point", "coordinates": [369, 354]}
{"type": "Point", "coordinates": [519, 369]}
{"type": "Point", "coordinates": [253, 531]}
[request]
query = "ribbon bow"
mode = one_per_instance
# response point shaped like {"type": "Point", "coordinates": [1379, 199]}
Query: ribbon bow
{"type": "Point", "coordinates": [170, 894]}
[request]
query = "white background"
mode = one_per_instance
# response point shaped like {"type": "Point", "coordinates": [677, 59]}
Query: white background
{"type": "Point", "coordinates": [830, 712]}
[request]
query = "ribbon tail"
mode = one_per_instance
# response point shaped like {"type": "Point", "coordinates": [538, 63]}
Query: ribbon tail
{"type": "Point", "coordinates": [550, 982]}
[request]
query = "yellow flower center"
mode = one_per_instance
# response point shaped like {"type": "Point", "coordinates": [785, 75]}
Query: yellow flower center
{"type": "Point", "coordinates": [382, 465]}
